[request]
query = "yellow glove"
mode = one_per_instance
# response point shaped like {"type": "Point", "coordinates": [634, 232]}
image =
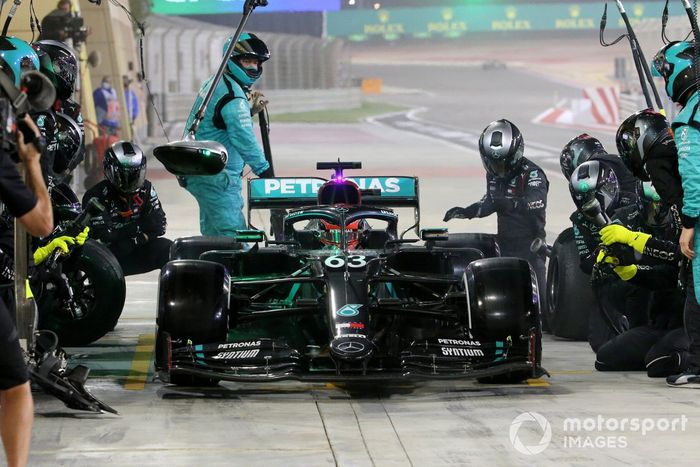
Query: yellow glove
{"type": "Point", "coordinates": [616, 233]}
{"type": "Point", "coordinates": [603, 258]}
{"type": "Point", "coordinates": [82, 236]}
{"type": "Point", "coordinates": [626, 272]}
{"type": "Point", "coordinates": [43, 252]}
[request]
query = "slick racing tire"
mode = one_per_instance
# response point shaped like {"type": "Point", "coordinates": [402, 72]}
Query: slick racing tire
{"type": "Point", "coordinates": [99, 290]}
{"type": "Point", "coordinates": [193, 247]}
{"type": "Point", "coordinates": [192, 307]}
{"type": "Point", "coordinates": [569, 295]}
{"type": "Point", "coordinates": [502, 305]}
{"type": "Point", "coordinates": [486, 243]}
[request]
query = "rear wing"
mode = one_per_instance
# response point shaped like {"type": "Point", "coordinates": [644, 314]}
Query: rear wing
{"type": "Point", "coordinates": [292, 192]}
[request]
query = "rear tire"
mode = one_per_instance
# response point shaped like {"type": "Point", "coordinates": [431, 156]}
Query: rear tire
{"type": "Point", "coordinates": [569, 295]}
{"type": "Point", "coordinates": [99, 291]}
{"type": "Point", "coordinates": [192, 306]}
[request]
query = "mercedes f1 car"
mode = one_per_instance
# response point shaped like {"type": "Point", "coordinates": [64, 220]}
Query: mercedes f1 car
{"type": "Point", "coordinates": [342, 296]}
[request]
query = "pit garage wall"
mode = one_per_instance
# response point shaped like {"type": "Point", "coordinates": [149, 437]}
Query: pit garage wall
{"type": "Point", "coordinates": [110, 35]}
{"type": "Point", "coordinates": [304, 73]}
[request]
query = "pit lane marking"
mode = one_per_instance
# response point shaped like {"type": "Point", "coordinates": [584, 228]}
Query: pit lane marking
{"type": "Point", "coordinates": [141, 363]}
{"type": "Point", "coordinates": [539, 382]}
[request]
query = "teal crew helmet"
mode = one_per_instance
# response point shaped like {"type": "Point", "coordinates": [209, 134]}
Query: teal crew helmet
{"type": "Point", "coordinates": [17, 57]}
{"type": "Point", "coordinates": [674, 63]}
{"type": "Point", "coordinates": [248, 46]}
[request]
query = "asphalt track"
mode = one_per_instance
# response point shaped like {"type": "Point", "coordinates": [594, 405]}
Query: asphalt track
{"type": "Point", "coordinates": [456, 423]}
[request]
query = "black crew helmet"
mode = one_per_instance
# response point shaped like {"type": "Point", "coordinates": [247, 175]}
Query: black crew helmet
{"type": "Point", "coordinates": [58, 62]}
{"type": "Point", "coordinates": [501, 147]}
{"type": "Point", "coordinates": [595, 181]}
{"type": "Point", "coordinates": [637, 137]}
{"type": "Point", "coordinates": [125, 167]}
{"type": "Point", "coordinates": [577, 151]}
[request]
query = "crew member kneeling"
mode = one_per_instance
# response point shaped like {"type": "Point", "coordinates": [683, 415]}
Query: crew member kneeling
{"type": "Point", "coordinates": [133, 222]}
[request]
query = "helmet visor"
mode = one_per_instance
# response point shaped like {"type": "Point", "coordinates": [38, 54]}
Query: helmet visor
{"type": "Point", "coordinates": [129, 179]}
{"type": "Point", "coordinates": [498, 168]}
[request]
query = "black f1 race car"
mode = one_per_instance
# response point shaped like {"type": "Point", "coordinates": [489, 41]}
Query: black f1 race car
{"type": "Point", "coordinates": [342, 296]}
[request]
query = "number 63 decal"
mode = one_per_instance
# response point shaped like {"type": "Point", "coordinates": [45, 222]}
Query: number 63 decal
{"type": "Point", "coordinates": [337, 262]}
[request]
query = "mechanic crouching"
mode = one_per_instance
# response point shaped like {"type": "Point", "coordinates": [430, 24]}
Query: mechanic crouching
{"type": "Point", "coordinates": [516, 191]}
{"type": "Point", "coordinates": [637, 323]}
{"type": "Point", "coordinates": [133, 223]}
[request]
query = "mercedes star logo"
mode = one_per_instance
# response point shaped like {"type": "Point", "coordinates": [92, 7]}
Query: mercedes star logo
{"type": "Point", "coordinates": [351, 347]}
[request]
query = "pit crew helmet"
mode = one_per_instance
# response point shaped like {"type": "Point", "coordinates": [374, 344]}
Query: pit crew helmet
{"type": "Point", "coordinates": [674, 62]}
{"type": "Point", "coordinates": [125, 167]}
{"type": "Point", "coordinates": [58, 62]}
{"type": "Point", "coordinates": [17, 57]}
{"type": "Point", "coordinates": [595, 180]}
{"type": "Point", "coordinates": [248, 46]}
{"type": "Point", "coordinates": [636, 138]}
{"type": "Point", "coordinates": [577, 151]}
{"type": "Point", "coordinates": [501, 147]}
{"type": "Point", "coordinates": [331, 234]}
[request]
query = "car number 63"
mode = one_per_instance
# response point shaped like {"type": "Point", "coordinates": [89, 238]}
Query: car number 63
{"type": "Point", "coordinates": [354, 261]}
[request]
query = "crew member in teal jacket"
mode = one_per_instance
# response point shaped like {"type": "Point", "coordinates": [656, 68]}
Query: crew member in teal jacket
{"type": "Point", "coordinates": [228, 120]}
{"type": "Point", "coordinates": [675, 63]}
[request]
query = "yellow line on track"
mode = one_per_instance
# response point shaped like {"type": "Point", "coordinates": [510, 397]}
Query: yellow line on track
{"type": "Point", "coordinates": [143, 356]}
{"type": "Point", "coordinates": [539, 382]}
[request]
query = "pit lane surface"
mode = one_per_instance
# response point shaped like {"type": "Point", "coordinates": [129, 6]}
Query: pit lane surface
{"type": "Point", "coordinates": [440, 423]}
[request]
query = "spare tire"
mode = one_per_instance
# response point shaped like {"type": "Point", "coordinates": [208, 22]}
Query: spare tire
{"type": "Point", "coordinates": [569, 295]}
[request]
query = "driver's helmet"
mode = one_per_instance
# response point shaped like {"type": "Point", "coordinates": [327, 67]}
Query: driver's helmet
{"type": "Point", "coordinates": [59, 64]}
{"type": "Point", "coordinates": [339, 191]}
{"type": "Point", "coordinates": [16, 58]}
{"type": "Point", "coordinates": [594, 179]}
{"type": "Point", "coordinates": [331, 234]}
{"type": "Point", "coordinates": [125, 167]}
{"type": "Point", "coordinates": [577, 151]}
{"type": "Point", "coordinates": [674, 62]}
{"type": "Point", "coordinates": [248, 46]}
{"type": "Point", "coordinates": [637, 137]}
{"type": "Point", "coordinates": [501, 147]}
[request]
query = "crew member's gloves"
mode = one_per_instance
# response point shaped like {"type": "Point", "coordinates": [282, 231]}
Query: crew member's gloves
{"type": "Point", "coordinates": [624, 272]}
{"type": "Point", "coordinates": [82, 236]}
{"type": "Point", "coordinates": [63, 243]}
{"type": "Point", "coordinates": [461, 213]}
{"type": "Point", "coordinates": [43, 252]}
{"type": "Point", "coordinates": [616, 233]}
{"type": "Point", "coordinates": [267, 173]}
{"type": "Point", "coordinates": [257, 102]}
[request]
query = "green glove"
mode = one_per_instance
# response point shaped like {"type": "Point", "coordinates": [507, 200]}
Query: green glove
{"type": "Point", "coordinates": [626, 272]}
{"type": "Point", "coordinates": [619, 234]}
{"type": "Point", "coordinates": [43, 252]}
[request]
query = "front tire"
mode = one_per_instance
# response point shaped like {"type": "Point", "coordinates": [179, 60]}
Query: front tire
{"type": "Point", "coordinates": [193, 308]}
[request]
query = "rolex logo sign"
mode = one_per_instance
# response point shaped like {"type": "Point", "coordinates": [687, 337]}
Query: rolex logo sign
{"type": "Point", "coordinates": [638, 9]}
{"type": "Point", "coordinates": [383, 16]}
{"type": "Point", "coordinates": [575, 11]}
{"type": "Point", "coordinates": [511, 12]}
